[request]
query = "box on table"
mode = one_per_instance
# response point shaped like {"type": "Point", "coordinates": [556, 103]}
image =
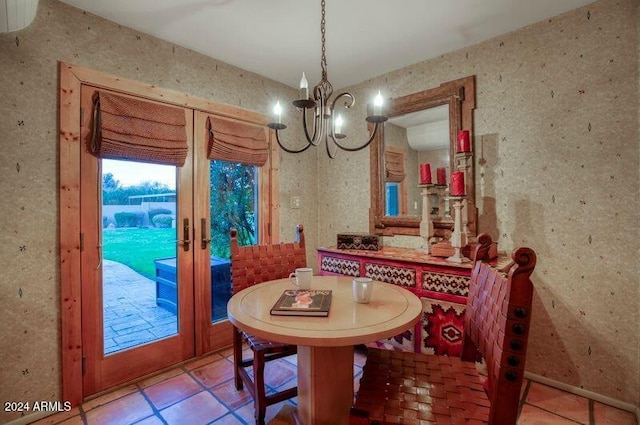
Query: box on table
{"type": "Point", "coordinates": [364, 241]}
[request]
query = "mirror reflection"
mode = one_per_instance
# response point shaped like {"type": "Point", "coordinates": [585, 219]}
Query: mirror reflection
{"type": "Point", "coordinates": [412, 139]}
{"type": "Point", "coordinates": [394, 162]}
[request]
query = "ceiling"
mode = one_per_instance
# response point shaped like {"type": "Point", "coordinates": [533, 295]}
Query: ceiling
{"type": "Point", "coordinates": [280, 39]}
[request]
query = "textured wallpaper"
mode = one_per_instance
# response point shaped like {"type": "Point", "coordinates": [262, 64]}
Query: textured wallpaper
{"type": "Point", "coordinates": [29, 277]}
{"type": "Point", "coordinates": [557, 126]}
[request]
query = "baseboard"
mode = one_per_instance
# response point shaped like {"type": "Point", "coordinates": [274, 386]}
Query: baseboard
{"type": "Point", "coordinates": [585, 393]}
{"type": "Point", "coordinates": [27, 419]}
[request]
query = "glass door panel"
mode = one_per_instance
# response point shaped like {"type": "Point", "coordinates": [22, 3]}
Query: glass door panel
{"type": "Point", "coordinates": [136, 268]}
{"type": "Point", "coordinates": [139, 269]}
{"type": "Point", "coordinates": [233, 195]}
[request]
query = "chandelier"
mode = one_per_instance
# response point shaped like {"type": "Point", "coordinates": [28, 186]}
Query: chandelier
{"type": "Point", "coordinates": [325, 127]}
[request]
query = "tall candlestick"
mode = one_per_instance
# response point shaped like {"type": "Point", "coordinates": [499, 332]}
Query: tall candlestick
{"type": "Point", "coordinates": [304, 87]}
{"type": "Point", "coordinates": [277, 110]}
{"type": "Point", "coordinates": [457, 183]}
{"type": "Point", "coordinates": [464, 143]}
{"type": "Point", "coordinates": [377, 104]}
{"type": "Point", "coordinates": [441, 174]}
{"type": "Point", "coordinates": [425, 173]}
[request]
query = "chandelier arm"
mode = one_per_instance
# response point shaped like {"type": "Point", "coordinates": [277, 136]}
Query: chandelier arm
{"type": "Point", "coordinates": [329, 154]}
{"type": "Point", "coordinates": [367, 143]}
{"type": "Point", "coordinates": [287, 149]}
{"type": "Point", "coordinates": [352, 101]}
{"type": "Point", "coordinates": [311, 140]}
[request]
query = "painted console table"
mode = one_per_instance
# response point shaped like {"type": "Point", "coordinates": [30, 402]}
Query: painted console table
{"type": "Point", "coordinates": [442, 286]}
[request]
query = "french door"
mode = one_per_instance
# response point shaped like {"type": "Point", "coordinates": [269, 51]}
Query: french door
{"type": "Point", "coordinates": [137, 267]}
{"type": "Point", "coordinates": [139, 284]}
{"type": "Point", "coordinates": [154, 291]}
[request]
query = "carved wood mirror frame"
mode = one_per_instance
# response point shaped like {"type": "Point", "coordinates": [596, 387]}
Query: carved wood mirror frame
{"type": "Point", "coordinates": [460, 96]}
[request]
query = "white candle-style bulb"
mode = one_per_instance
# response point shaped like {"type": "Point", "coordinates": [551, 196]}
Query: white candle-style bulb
{"type": "Point", "coordinates": [277, 110]}
{"type": "Point", "coordinates": [304, 87]}
{"type": "Point", "coordinates": [378, 100]}
{"type": "Point", "coordinates": [377, 104]}
{"type": "Point", "coordinates": [338, 124]}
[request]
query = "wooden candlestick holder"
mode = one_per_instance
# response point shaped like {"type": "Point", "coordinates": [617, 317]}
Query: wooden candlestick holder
{"type": "Point", "coordinates": [464, 160]}
{"type": "Point", "coordinates": [458, 238]}
{"type": "Point", "coordinates": [426, 224]}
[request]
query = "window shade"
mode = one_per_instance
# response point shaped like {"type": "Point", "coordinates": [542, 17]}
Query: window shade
{"type": "Point", "coordinates": [394, 166]}
{"type": "Point", "coordinates": [237, 141]}
{"type": "Point", "coordinates": [129, 128]}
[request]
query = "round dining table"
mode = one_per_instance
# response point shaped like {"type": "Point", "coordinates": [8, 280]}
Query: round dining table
{"type": "Point", "coordinates": [326, 344]}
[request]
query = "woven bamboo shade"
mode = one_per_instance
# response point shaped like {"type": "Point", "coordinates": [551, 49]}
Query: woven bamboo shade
{"type": "Point", "coordinates": [136, 129]}
{"type": "Point", "coordinates": [237, 141]}
{"type": "Point", "coordinates": [394, 166]}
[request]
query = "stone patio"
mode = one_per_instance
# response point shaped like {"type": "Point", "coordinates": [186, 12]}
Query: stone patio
{"type": "Point", "coordinates": [131, 316]}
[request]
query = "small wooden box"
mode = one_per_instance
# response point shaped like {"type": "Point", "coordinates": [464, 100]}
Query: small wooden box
{"type": "Point", "coordinates": [359, 241]}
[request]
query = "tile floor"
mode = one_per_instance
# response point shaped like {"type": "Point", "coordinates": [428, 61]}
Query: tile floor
{"type": "Point", "coordinates": [201, 391]}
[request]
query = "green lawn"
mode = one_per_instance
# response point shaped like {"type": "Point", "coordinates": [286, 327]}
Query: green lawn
{"type": "Point", "coordinates": [137, 248]}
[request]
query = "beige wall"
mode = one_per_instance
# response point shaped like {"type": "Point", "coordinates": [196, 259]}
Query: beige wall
{"type": "Point", "coordinates": [29, 276]}
{"type": "Point", "coordinates": [557, 113]}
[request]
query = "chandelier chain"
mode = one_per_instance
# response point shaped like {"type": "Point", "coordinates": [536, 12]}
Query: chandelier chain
{"type": "Point", "coordinates": [320, 110]}
{"type": "Point", "coordinates": [323, 60]}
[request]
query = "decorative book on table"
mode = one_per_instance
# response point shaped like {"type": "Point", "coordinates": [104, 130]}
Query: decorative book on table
{"type": "Point", "coordinates": [303, 302]}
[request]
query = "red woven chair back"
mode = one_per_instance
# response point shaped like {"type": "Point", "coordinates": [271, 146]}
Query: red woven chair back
{"type": "Point", "coordinates": [254, 264]}
{"type": "Point", "coordinates": [497, 325]}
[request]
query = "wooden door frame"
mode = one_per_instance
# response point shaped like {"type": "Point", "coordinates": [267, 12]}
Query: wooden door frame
{"type": "Point", "coordinates": [219, 334]}
{"type": "Point", "coordinates": [102, 371]}
{"type": "Point", "coordinates": [71, 78]}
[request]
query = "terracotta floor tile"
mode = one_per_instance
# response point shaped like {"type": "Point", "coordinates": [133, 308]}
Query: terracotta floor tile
{"type": "Point", "coordinates": [246, 412]}
{"type": "Point", "coordinates": [201, 408]}
{"type": "Point", "coordinates": [172, 390]}
{"type": "Point", "coordinates": [160, 377]}
{"type": "Point", "coordinates": [108, 397]}
{"type": "Point", "coordinates": [182, 400]}
{"type": "Point", "coordinates": [152, 420]}
{"type": "Point", "coordinates": [203, 361]}
{"type": "Point", "coordinates": [228, 420]}
{"type": "Point", "coordinates": [231, 397]}
{"type": "Point", "coordinates": [608, 415]}
{"type": "Point", "coordinates": [532, 415]}
{"type": "Point", "coordinates": [125, 410]}
{"type": "Point", "coordinates": [76, 420]}
{"type": "Point", "coordinates": [279, 372]}
{"type": "Point", "coordinates": [559, 402]}
{"type": "Point", "coordinates": [214, 373]}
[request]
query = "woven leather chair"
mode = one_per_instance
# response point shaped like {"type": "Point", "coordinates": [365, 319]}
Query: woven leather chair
{"type": "Point", "coordinates": [411, 388]}
{"type": "Point", "coordinates": [251, 265]}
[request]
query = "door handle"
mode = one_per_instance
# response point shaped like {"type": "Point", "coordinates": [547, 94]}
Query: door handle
{"type": "Point", "coordinates": [186, 242]}
{"type": "Point", "coordinates": [203, 234]}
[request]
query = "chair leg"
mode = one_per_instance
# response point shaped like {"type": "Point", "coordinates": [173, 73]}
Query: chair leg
{"type": "Point", "coordinates": [260, 401]}
{"type": "Point", "coordinates": [237, 357]}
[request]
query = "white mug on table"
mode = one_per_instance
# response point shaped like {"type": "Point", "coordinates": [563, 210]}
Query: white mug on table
{"type": "Point", "coordinates": [362, 289]}
{"type": "Point", "coordinates": [302, 277]}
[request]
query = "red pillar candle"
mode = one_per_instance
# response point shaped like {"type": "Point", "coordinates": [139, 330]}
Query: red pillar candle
{"type": "Point", "coordinates": [464, 144]}
{"type": "Point", "coordinates": [441, 174]}
{"type": "Point", "coordinates": [457, 183]}
{"type": "Point", "coordinates": [425, 173]}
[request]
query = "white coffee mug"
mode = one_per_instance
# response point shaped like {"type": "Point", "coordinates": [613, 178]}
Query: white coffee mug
{"type": "Point", "coordinates": [302, 277]}
{"type": "Point", "coordinates": [362, 289]}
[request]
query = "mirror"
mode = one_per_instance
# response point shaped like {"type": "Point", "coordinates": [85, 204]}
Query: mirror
{"type": "Point", "coordinates": [422, 127]}
{"type": "Point", "coordinates": [412, 139]}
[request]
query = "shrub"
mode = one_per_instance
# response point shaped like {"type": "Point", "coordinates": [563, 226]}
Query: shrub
{"type": "Point", "coordinates": [155, 211]}
{"type": "Point", "coordinates": [127, 219]}
{"type": "Point", "coordinates": [162, 220]}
